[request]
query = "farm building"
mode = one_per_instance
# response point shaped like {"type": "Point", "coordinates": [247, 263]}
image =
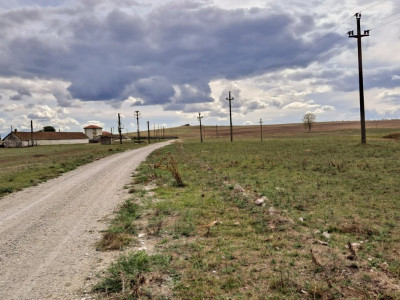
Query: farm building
{"type": "Point", "coordinates": [116, 136]}
{"type": "Point", "coordinates": [92, 131]}
{"type": "Point", "coordinates": [107, 138]}
{"type": "Point", "coordinates": [23, 139]}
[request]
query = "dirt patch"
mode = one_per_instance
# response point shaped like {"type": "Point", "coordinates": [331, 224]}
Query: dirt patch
{"type": "Point", "coordinates": [393, 136]}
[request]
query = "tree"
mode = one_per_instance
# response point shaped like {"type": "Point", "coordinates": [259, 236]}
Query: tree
{"type": "Point", "coordinates": [49, 129]}
{"type": "Point", "coordinates": [309, 120]}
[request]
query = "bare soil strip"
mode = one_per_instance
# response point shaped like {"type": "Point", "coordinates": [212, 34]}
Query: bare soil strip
{"type": "Point", "coordinates": [47, 232]}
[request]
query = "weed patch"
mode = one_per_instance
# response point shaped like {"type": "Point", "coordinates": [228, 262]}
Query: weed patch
{"type": "Point", "coordinates": [291, 218]}
{"type": "Point", "coordinates": [120, 233]}
{"type": "Point", "coordinates": [131, 273]}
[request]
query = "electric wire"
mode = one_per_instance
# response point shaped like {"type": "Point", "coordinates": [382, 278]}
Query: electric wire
{"type": "Point", "coordinates": [369, 7]}
{"type": "Point", "coordinates": [384, 18]}
{"type": "Point", "coordinates": [314, 53]}
{"type": "Point", "coordinates": [374, 28]}
{"type": "Point", "coordinates": [318, 49]}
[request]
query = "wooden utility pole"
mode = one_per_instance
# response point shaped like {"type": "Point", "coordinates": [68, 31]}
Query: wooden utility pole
{"type": "Point", "coordinates": [261, 128]}
{"type": "Point", "coordinates": [201, 132]}
{"type": "Point", "coordinates": [31, 133]}
{"type": "Point", "coordinates": [148, 132]}
{"type": "Point", "coordinates": [230, 113]}
{"type": "Point", "coordinates": [137, 114]}
{"type": "Point", "coordinates": [358, 36]}
{"type": "Point", "coordinates": [120, 129]}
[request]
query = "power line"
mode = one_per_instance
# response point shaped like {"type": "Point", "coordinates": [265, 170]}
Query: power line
{"type": "Point", "coordinates": [385, 24]}
{"type": "Point", "coordinates": [371, 6]}
{"type": "Point", "coordinates": [377, 21]}
{"type": "Point", "coordinates": [315, 53]}
{"type": "Point", "coordinates": [318, 51]}
{"type": "Point", "coordinates": [326, 46]}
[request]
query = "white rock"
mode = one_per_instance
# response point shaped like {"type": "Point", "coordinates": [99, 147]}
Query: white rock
{"type": "Point", "coordinates": [322, 243]}
{"type": "Point", "coordinates": [326, 234]}
{"type": "Point", "coordinates": [271, 210]}
{"type": "Point", "coordinates": [301, 219]}
{"type": "Point", "coordinates": [260, 201]}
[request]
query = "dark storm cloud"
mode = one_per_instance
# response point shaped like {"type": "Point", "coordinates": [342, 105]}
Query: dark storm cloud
{"type": "Point", "coordinates": [165, 57]}
{"type": "Point", "coordinates": [21, 93]}
{"type": "Point", "coordinates": [380, 78]}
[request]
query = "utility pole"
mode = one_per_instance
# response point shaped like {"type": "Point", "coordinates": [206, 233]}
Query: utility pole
{"type": "Point", "coordinates": [358, 36]}
{"type": "Point", "coordinates": [137, 114]}
{"type": "Point", "coordinates": [148, 132]}
{"type": "Point", "coordinates": [201, 133]}
{"type": "Point", "coordinates": [120, 129]}
{"type": "Point", "coordinates": [31, 133]}
{"type": "Point", "coordinates": [261, 128]}
{"type": "Point", "coordinates": [230, 113]}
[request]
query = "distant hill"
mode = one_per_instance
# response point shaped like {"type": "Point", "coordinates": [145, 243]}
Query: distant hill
{"type": "Point", "coordinates": [275, 130]}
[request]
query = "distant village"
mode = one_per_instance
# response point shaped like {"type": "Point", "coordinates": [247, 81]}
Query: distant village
{"type": "Point", "coordinates": [91, 134]}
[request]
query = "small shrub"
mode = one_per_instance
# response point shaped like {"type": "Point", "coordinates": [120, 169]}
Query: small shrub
{"type": "Point", "coordinates": [121, 229]}
{"type": "Point", "coordinates": [113, 241]}
{"type": "Point", "coordinates": [6, 190]}
{"type": "Point", "coordinates": [127, 275]}
{"type": "Point", "coordinates": [171, 165]}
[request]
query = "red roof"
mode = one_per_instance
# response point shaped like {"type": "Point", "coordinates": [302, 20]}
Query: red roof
{"type": "Point", "coordinates": [26, 136]}
{"type": "Point", "coordinates": [93, 127]}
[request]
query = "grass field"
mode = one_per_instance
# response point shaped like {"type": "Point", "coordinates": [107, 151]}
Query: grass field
{"type": "Point", "coordinates": [296, 216]}
{"type": "Point", "coordinates": [311, 217]}
{"type": "Point", "coordinates": [24, 167]}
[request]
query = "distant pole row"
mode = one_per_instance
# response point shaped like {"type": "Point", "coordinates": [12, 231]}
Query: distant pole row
{"type": "Point", "coordinates": [351, 34]}
{"type": "Point", "coordinates": [158, 133]}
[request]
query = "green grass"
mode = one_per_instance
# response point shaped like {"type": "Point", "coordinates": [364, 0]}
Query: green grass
{"type": "Point", "coordinates": [333, 183]}
{"type": "Point", "coordinates": [126, 275]}
{"type": "Point", "coordinates": [119, 234]}
{"type": "Point", "coordinates": [24, 167]}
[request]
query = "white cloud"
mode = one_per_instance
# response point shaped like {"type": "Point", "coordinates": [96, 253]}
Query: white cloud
{"type": "Point", "coordinates": [324, 109]}
{"type": "Point", "coordinates": [300, 105]}
{"type": "Point", "coordinates": [12, 107]}
{"type": "Point", "coordinates": [94, 122]}
{"type": "Point", "coordinates": [396, 77]}
{"type": "Point", "coordinates": [42, 112]}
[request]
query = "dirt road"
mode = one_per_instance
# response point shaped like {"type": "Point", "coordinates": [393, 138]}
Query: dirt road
{"type": "Point", "coordinates": [48, 232]}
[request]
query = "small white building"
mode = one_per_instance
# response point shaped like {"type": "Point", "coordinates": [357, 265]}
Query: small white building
{"type": "Point", "coordinates": [92, 131]}
{"type": "Point", "coordinates": [24, 139]}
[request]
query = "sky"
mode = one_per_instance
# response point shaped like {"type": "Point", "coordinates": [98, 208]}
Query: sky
{"type": "Point", "coordinates": [70, 63]}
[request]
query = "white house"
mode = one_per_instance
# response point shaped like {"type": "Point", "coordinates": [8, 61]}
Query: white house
{"type": "Point", "coordinates": [23, 139]}
{"type": "Point", "coordinates": [92, 131]}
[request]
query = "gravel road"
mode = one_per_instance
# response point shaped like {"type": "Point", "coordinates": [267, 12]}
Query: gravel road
{"type": "Point", "coordinates": [48, 232]}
